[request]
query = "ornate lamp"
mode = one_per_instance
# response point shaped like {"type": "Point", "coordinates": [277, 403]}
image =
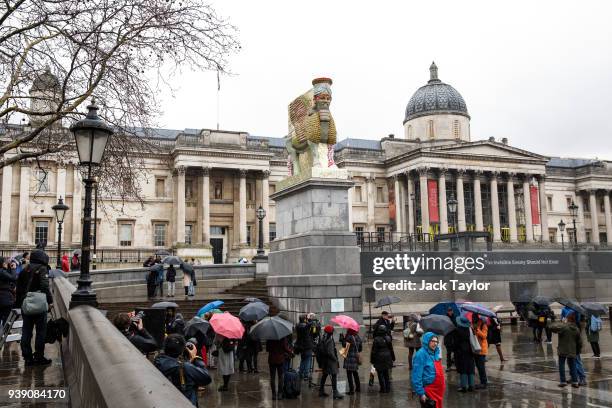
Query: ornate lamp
{"type": "Point", "coordinates": [60, 212]}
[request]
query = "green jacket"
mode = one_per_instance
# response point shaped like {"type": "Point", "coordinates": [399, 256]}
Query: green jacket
{"type": "Point", "coordinates": [570, 342]}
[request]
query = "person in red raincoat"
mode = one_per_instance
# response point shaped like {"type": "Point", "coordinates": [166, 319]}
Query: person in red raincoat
{"type": "Point", "coordinates": [65, 263]}
{"type": "Point", "coordinates": [427, 372]}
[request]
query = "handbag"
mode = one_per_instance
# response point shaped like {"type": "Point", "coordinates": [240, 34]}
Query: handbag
{"type": "Point", "coordinates": [474, 342]}
{"type": "Point", "coordinates": [35, 302]}
{"type": "Point", "coordinates": [344, 351]}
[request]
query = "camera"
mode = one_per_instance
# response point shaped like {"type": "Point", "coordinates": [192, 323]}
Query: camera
{"type": "Point", "coordinates": [188, 346]}
{"type": "Point", "coordinates": [138, 317]}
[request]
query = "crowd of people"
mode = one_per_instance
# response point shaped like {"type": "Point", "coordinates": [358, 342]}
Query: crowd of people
{"type": "Point", "coordinates": [168, 273]}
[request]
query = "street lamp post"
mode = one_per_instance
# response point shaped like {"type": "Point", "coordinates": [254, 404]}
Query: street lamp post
{"type": "Point", "coordinates": [573, 209]}
{"type": "Point", "coordinates": [561, 229]}
{"type": "Point", "coordinates": [452, 209]}
{"type": "Point", "coordinates": [60, 212]}
{"type": "Point", "coordinates": [91, 135]}
{"type": "Point", "coordinates": [261, 214]}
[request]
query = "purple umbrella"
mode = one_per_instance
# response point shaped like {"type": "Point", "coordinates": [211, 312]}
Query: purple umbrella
{"type": "Point", "coordinates": [479, 309]}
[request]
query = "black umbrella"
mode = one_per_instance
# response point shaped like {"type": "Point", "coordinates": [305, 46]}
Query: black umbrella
{"type": "Point", "coordinates": [172, 260]}
{"type": "Point", "coordinates": [187, 267]}
{"type": "Point", "coordinates": [254, 311]}
{"type": "Point", "coordinates": [594, 308]}
{"type": "Point", "coordinates": [437, 324]}
{"type": "Point", "coordinates": [252, 299]}
{"type": "Point", "coordinates": [271, 328]}
{"type": "Point", "coordinates": [164, 305]}
{"type": "Point", "coordinates": [387, 301]}
{"type": "Point", "coordinates": [196, 325]}
{"type": "Point", "coordinates": [572, 304]}
{"type": "Point", "coordinates": [542, 300]}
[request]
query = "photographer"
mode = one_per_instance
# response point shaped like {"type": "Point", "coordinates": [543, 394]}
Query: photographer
{"type": "Point", "coordinates": [133, 329]}
{"type": "Point", "coordinates": [181, 365]}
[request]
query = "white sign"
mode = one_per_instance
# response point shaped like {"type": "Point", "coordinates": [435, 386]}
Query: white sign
{"type": "Point", "coordinates": [337, 305]}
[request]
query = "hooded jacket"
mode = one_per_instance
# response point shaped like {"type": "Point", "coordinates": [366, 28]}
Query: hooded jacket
{"type": "Point", "coordinates": [195, 375]}
{"type": "Point", "coordinates": [423, 369]}
{"type": "Point", "coordinates": [38, 268]}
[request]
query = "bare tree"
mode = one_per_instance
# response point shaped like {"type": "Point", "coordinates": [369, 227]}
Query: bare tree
{"type": "Point", "coordinates": [56, 54]}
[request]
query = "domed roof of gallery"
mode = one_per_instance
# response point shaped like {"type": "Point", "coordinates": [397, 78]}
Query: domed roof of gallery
{"type": "Point", "coordinates": [435, 97]}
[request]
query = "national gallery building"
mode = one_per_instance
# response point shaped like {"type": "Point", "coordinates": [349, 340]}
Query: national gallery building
{"type": "Point", "coordinates": [203, 204]}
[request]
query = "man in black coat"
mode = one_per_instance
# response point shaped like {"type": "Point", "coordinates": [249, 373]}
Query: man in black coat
{"type": "Point", "coordinates": [449, 341]}
{"type": "Point", "coordinates": [386, 319]}
{"type": "Point", "coordinates": [304, 345]}
{"type": "Point", "coordinates": [34, 277]}
{"type": "Point", "coordinates": [135, 332]}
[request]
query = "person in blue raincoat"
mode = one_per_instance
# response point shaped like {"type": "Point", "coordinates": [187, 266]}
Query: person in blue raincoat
{"type": "Point", "coordinates": [427, 372]}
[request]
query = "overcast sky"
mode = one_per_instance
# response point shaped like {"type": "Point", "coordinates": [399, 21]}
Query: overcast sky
{"type": "Point", "coordinates": [537, 72]}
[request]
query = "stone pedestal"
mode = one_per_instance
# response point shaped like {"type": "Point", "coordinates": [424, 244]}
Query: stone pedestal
{"type": "Point", "coordinates": [261, 266]}
{"type": "Point", "coordinates": [314, 262]}
{"type": "Point", "coordinates": [584, 277]}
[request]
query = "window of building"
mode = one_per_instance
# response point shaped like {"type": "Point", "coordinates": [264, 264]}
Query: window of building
{"type": "Point", "coordinates": [218, 190]}
{"type": "Point", "coordinates": [409, 131]}
{"type": "Point", "coordinates": [357, 194]}
{"type": "Point", "coordinates": [430, 129]}
{"type": "Point", "coordinates": [272, 229]}
{"type": "Point", "coordinates": [159, 234]}
{"type": "Point", "coordinates": [42, 181]}
{"type": "Point", "coordinates": [249, 229]}
{"type": "Point", "coordinates": [571, 235]}
{"type": "Point", "coordinates": [456, 129]}
{"type": "Point", "coordinates": [549, 203]}
{"type": "Point", "coordinates": [586, 206]}
{"type": "Point", "coordinates": [380, 234]}
{"type": "Point", "coordinates": [568, 200]}
{"type": "Point", "coordinates": [272, 188]}
{"type": "Point", "coordinates": [588, 237]}
{"type": "Point", "coordinates": [160, 187]}
{"type": "Point", "coordinates": [249, 191]}
{"type": "Point", "coordinates": [41, 232]}
{"type": "Point", "coordinates": [188, 234]}
{"type": "Point", "coordinates": [189, 193]}
{"type": "Point", "coordinates": [359, 233]}
{"type": "Point", "coordinates": [552, 235]}
{"type": "Point", "coordinates": [217, 230]}
{"type": "Point", "coordinates": [125, 234]}
{"type": "Point", "coordinates": [380, 194]}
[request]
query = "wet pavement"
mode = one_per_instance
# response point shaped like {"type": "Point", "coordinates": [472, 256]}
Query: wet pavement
{"type": "Point", "coordinates": [529, 379]}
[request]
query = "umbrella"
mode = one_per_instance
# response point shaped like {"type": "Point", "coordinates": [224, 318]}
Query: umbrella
{"type": "Point", "coordinates": [437, 324]}
{"type": "Point", "coordinates": [346, 322]}
{"type": "Point", "coordinates": [542, 300]}
{"type": "Point", "coordinates": [413, 317]}
{"type": "Point", "coordinates": [476, 308]}
{"type": "Point", "coordinates": [187, 267]}
{"type": "Point", "coordinates": [77, 251]}
{"type": "Point", "coordinates": [387, 301]}
{"type": "Point", "coordinates": [56, 273]}
{"type": "Point", "coordinates": [18, 258]}
{"type": "Point", "coordinates": [442, 307]}
{"type": "Point", "coordinates": [157, 267]}
{"type": "Point", "coordinates": [162, 252]}
{"type": "Point", "coordinates": [596, 309]}
{"type": "Point", "coordinates": [254, 311]}
{"type": "Point", "coordinates": [226, 325]}
{"type": "Point", "coordinates": [271, 328]}
{"type": "Point", "coordinates": [172, 260]}
{"type": "Point", "coordinates": [252, 299]}
{"type": "Point", "coordinates": [572, 304]}
{"type": "Point", "coordinates": [196, 325]}
{"type": "Point", "coordinates": [164, 305]}
{"type": "Point", "coordinates": [209, 307]}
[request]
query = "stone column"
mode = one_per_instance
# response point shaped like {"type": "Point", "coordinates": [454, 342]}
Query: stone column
{"type": "Point", "coordinates": [398, 204]}
{"type": "Point", "coordinates": [371, 197]}
{"type": "Point", "coordinates": [180, 205]}
{"type": "Point", "coordinates": [243, 204]}
{"type": "Point", "coordinates": [205, 206]}
{"type": "Point", "coordinates": [265, 203]}
{"type": "Point", "coordinates": [581, 233]}
{"type": "Point", "coordinates": [460, 201]}
{"type": "Point", "coordinates": [5, 211]}
{"type": "Point", "coordinates": [61, 187]}
{"type": "Point", "coordinates": [77, 191]}
{"type": "Point", "coordinates": [423, 172]}
{"type": "Point", "coordinates": [511, 208]}
{"type": "Point", "coordinates": [543, 207]}
{"type": "Point", "coordinates": [608, 215]}
{"type": "Point", "coordinates": [409, 193]}
{"type": "Point", "coordinates": [527, 204]}
{"type": "Point", "coordinates": [495, 208]}
{"type": "Point", "coordinates": [442, 201]}
{"type": "Point", "coordinates": [594, 217]}
{"type": "Point", "coordinates": [478, 202]}
{"type": "Point", "coordinates": [24, 201]}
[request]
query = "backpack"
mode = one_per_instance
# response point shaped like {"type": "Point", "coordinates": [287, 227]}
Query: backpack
{"type": "Point", "coordinates": [321, 353]}
{"type": "Point", "coordinates": [595, 324]}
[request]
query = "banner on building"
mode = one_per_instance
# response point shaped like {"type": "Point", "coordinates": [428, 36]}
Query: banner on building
{"type": "Point", "coordinates": [432, 196]}
{"type": "Point", "coordinates": [392, 204]}
{"type": "Point", "coordinates": [535, 213]}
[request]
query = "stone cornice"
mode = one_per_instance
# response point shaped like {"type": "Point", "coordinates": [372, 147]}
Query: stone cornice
{"type": "Point", "coordinates": [223, 153]}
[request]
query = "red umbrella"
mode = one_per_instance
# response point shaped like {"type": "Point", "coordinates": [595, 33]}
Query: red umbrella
{"type": "Point", "coordinates": [227, 325]}
{"type": "Point", "coordinates": [346, 322]}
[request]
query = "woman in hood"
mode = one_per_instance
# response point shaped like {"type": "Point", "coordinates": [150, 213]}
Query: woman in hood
{"type": "Point", "coordinates": [427, 372]}
{"type": "Point", "coordinates": [464, 357]}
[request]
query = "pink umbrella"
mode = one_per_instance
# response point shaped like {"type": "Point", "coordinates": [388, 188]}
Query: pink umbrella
{"type": "Point", "coordinates": [346, 322]}
{"type": "Point", "coordinates": [227, 325]}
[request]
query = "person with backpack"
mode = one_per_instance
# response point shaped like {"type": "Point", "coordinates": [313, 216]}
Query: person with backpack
{"type": "Point", "coordinates": [353, 360]}
{"type": "Point", "coordinates": [427, 375]}
{"type": "Point", "coordinates": [183, 367]}
{"type": "Point", "coordinates": [327, 358]}
{"type": "Point", "coordinates": [278, 353]}
{"type": "Point", "coordinates": [304, 345]}
{"type": "Point", "coordinates": [225, 357]}
{"type": "Point", "coordinates": [382, 356]}
{"type": "Point", "coordinates": [592, 330]}
{"type": "Point", "coordinates": [171, 279]}
{"type": "Point", "coordinates": [412, 337]}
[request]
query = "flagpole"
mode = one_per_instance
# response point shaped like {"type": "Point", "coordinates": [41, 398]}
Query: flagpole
{"type": "Point", "coordinates": [218, 91]}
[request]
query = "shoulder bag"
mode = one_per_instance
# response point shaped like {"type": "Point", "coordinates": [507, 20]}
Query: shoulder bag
{"type": "Point", "coordinates": [35, 302]}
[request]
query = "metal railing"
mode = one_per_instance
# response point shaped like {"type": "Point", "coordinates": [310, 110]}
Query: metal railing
{"type": "Point", "coordinates": [108, 255]}
{"type": "Point", "coordinates": [394, 241]}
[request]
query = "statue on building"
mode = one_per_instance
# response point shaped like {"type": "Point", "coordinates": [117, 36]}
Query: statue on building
{"type": "Point", "coordinates": [312, 131]}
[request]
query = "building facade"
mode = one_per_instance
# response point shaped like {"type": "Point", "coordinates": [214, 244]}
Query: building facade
{"type": "Point", "coordinates": [202, 188]}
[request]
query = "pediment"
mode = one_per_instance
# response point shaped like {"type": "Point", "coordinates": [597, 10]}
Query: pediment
{"type": "Point", "coordinates": [487, 149]}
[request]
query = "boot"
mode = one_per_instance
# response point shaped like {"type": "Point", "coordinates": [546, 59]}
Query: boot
{"type": "Point", "coordinates": [500, 352]}
{"type": "Point", "coordinates": [322, 393]}
{"type": "Point", "coordinates": [337, 395]}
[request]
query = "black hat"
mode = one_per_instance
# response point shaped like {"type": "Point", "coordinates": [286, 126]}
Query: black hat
{"type": "Point", "coordinates": [38, 256]}
{"type": "Point", "coordinates": [174, 345]}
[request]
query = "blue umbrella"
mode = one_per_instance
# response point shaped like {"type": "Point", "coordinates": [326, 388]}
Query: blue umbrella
{"type": "Point", "coordinates": [209, 306]}
{"type": "Point", "coordinates": [442, 307]}
{"type": "Point", "coordinates": [479, 309]}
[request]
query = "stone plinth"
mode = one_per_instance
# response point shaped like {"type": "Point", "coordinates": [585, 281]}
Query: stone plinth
{"type": "Point", "coordinates": [314, 262]}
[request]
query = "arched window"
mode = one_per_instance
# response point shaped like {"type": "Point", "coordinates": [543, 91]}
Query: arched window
{"type": "Point", "coordinates": [430, 129]}
{"type": "Point", "coordinates": [409, 131]}
{"type": "Point", "coordinates": [456, 129]}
